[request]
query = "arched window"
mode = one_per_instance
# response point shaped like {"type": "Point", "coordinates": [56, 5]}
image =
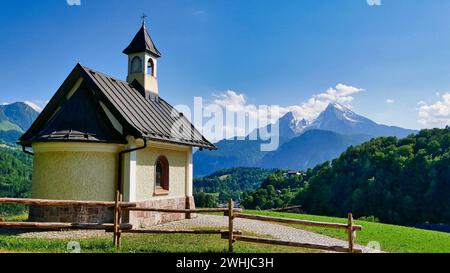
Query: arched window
{"type": "Point", "coordinates": [151, 67]}
{"type": "Point", "coordinates": [162, 173]}
{"type": "Point", "coordinates": [136, 65]}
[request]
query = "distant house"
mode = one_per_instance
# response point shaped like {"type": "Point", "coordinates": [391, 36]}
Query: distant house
{"type": "Point", "coordinates": [99, 134]}
{"type": "Point", "coordinates": [292, 173]}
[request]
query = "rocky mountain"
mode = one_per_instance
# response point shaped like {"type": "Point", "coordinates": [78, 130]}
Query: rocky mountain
{"type": "Point", "coordinates": [242, 153]}
{"type": "Point", "coordinates": [15, 118]}
{"type": "Point", "coordinates": [303, 144]}
{"type": "Point", "coordinates": [340, 119]}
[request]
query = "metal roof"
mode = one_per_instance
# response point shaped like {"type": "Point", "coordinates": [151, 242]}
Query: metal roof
{"type": "Point", "coordinates": [142, 42]}
{"type": "Point", "coordinates": [71, 124]}
{"type": "Point", "coordinates": [153, 119]}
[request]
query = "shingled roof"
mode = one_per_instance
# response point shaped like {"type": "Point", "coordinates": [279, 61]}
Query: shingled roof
{"type": "Point", "coordinates": [142, 42]}
{"type": "Point", "coordinates": [152, 119]}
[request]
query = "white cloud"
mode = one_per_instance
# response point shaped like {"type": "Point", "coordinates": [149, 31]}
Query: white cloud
{"type": "Point", "coordinates": [73, 2]}
{"type": "Point", "coordinates": [374, 2]}
{"type": "Point", "coordinates": [309, 109]}
{"type": "Point", "coordinates": [436, 114]}
{"type": "Point", "coordinates": [5, 103]}
{"type": "Point", "coordinates": [390, 101]}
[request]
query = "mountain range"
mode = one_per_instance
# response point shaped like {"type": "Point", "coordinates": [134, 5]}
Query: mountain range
{"type": "Point", "coordinates": [15, 119]}
{"type": "Point", "coordinates": [303, 144]}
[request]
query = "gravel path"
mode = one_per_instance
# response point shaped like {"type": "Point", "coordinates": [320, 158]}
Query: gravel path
{"type": "Point", "coordinates": [69, 234]}
{"type": "Point", "coordinates": [277, 231]}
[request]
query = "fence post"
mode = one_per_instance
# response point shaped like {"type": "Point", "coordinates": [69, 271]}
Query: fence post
{"type": "Point", "coordinates": [116, 219]}
{"type": "Point", "coordinates": [188, 215]}
{"type": "Point", "coordinates": [350, 233]}
{"type": "Point", "coordinates": [230, 225]}
{"type": "Point", "coordinates": [119, 221]}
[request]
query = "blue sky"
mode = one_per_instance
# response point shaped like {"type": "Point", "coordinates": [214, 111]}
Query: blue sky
{"type": "Point", "coordinates": [272, 52]}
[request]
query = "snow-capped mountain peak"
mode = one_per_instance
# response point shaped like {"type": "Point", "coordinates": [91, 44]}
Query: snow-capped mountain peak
{"type": "Point", "coordinates": [339, 119]}
{"type": "Point", "coordinates": [33, 105]}
{"type": "Point", "coordinates": [341, 112]}
{"type": "Point", "coordinates": [290, 122]}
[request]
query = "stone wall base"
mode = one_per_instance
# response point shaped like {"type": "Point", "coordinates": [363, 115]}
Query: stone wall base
{"type": "Point", "coordinates": [143, 219]}
{"type": "Point", "coordinates": [91, 214]}
{"type": "Point", "coordinates": [71, 214]}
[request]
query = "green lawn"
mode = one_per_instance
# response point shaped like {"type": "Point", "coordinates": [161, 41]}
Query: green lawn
{"type": "Point", "coordinates": [391, 238]}
{"type": "Point", "coordinates": [140, 243]}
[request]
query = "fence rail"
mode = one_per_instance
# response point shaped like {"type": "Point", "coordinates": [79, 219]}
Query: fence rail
{"type": "Point", "coordinates": [48, 202]}
{"type": "Point", "coordinates": [231, 234]}
{"type": "Point", "coordinates": [52, 225]}
{"type": "Point", "coordinates": [252, 239]}
{"type": "Point", "coordinates": [178, 210]}
{"type": "Point", "coordinates": [295, 221]}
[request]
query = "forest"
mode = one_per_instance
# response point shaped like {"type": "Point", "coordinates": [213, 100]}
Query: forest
{"type": "Point", "coordinates": [217, 188]}
{"type": "Point", "coordinates": [400, 181]}
{"type": "Point", "coordinates": [15, 177]}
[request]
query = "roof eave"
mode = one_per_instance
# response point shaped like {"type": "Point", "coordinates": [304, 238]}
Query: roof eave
{"type": "Point", "coordinates": [208, 146]}
{"type": "Point", "coordinates": [127, 51]}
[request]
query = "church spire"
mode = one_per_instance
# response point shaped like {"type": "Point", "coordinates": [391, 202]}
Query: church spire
{"type": "Point", "coordinates": [144, 18]}
{"type": "Point", "coordinates": [142, 42]}
{"type": "Point", "coordinates": [143, 60]}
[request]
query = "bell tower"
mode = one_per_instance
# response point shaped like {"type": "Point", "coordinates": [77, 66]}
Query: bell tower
{"type": "Point", "coordinates": [143, 61]}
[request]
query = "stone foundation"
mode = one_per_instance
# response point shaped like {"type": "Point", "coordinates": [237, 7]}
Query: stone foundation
{"type": "Point", "coordinates": [142, 219]}
{"type": "Point", "coordinates": [90, 214]}
{"type": "Point", "coordinates": [71, 214]}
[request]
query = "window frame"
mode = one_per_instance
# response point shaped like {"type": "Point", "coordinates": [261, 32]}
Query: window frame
{"type": "Point", "coordinates": [151, 67]}
{"type": "Point", "coordinates": [162, 189]}
{"type": "Point", "coordinates": [133, 60]}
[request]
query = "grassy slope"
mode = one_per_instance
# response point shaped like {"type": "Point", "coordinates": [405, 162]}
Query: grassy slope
{"type": "Point", "coordinates": [6, 126]}
{"type": "Point", "coordinates": [392, 238]}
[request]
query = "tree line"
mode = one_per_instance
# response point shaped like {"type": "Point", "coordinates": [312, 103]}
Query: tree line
{"type": "Point", "coordinates": [219, 187]}
{"type": "Point", "coordinates": [15, 178]}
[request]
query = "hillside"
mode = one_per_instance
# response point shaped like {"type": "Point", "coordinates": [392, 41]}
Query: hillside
{"type": "Point", "coordinates": [391, 238]}
{"type": "Point", "coordinates": [15, 177]}
{"type": "Point", "coordinates": [230, 153]}
{"type": "Point", "coordinates": [309, 149]}
{"type": "Point", "coordinates": [229, 183]}
{"type": "Point", "coordinates": [400, 181]}
{"type": "Point", "coordinates": [15, 119]}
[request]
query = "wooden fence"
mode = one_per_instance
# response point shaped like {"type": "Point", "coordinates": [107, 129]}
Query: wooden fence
{"type": "Point", "coordinates": [52, 225]}
{"type": "Point", "coordinates": [231, 234]}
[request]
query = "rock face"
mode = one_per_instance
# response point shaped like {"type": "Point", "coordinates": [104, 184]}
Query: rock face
{"type": "Point", "coordinates": [303, 144]}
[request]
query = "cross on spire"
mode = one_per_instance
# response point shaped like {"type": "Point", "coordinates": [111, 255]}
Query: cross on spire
{"type": "Point", "coordinates": [144, 18]}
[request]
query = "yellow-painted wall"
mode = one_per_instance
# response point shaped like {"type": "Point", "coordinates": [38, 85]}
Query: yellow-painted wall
{"type": "Point", "coordinates": [73, 174]}
{"type": "Point", "coordinates": [145, 173]}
